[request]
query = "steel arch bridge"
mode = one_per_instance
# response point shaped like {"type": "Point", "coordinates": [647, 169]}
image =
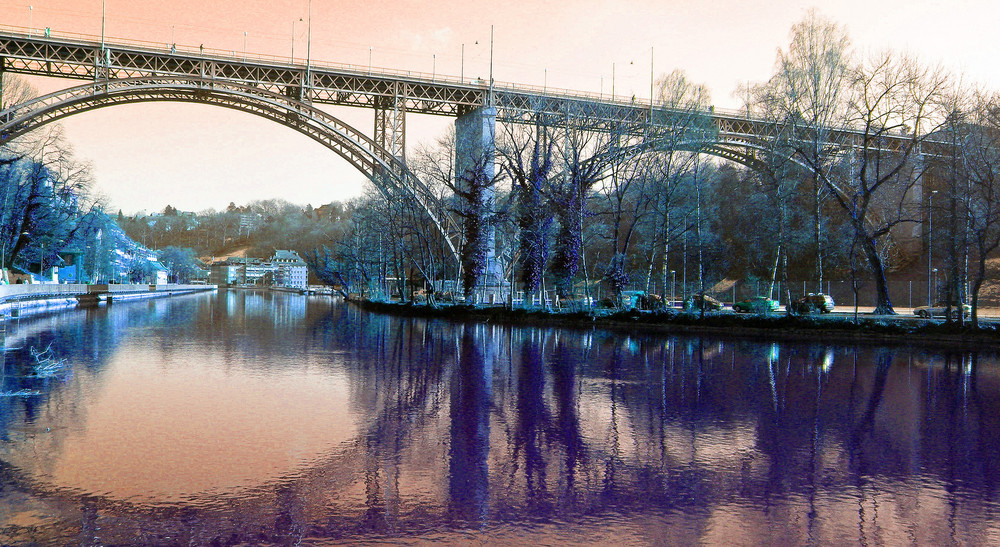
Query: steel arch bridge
{"type": "Point", "coordinates": [391, 94]}
{"type": "Point", "coordinates": [281, 90]}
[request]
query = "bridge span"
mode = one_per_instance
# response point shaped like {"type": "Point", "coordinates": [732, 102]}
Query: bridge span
{"type": "Point", "coordinates": [391, 94]}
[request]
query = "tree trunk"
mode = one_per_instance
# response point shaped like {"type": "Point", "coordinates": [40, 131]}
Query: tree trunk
{"type": "Point", "coordinates": [883, 304]}
{"type": "Point", "coordinates": [977, 285]}
{"type": "Point", "coordinates": [818, 232]}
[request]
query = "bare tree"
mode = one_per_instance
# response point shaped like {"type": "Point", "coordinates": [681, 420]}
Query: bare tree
{"type": "Point", "coordinates": [893, 109]}
{"type": "Point", "coordinates": [776, 174]}
{"type": "Point", "coordinates": [584, 156]}
{"type": "Point", "coordinates": [947, 165]}
{"type": "Point", "coordinates": [681, 126]}
{"type": "Point", "coordinates": [807, 95]}
{"type": "Point", "coordinates": [473, 205]}
{"type": "Point", "coordinates": [980, 157]}
{"type": "Point", "coordinates": [527, 153]}
{"type": "Point", "coordinates": [629, 199]}
{"type": "Point", "coordinates": [42, 197]}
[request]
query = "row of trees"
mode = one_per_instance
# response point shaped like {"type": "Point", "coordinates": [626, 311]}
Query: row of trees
{"type": "Point", "coordinates": [839, 156]}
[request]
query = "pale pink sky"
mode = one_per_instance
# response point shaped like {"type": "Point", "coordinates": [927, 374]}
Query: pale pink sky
{"type": "Point", "coordinates": [195, 157]}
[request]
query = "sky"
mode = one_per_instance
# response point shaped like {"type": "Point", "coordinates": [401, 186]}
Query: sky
{"type": "Point", "coordinates": [197, 157]}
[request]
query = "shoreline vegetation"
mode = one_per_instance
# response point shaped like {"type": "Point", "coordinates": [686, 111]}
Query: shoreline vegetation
{"type": "Point", "coordinates": [777, 326]}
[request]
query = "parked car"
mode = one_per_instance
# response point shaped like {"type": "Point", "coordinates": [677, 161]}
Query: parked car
{"type": "Point", "coordinates": [632, 299]}
{"type": "Point", "coordinates": [698, 301]}
{"type": "Point", "coordinates": [940, 309]}
{"type": "Point", "coordinates": [813, 303]}
{"type": "Point", "coordinates": [757, 304]}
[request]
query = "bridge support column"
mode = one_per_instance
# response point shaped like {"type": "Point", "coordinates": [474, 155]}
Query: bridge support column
{"type": "Point", "coordinates": [390, 124]}
{"type": "Point", "coordinates": [475, 163]}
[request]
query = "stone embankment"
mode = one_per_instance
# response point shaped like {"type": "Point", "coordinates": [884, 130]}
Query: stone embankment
{"type": "Point", "coordinates": [20, 300]}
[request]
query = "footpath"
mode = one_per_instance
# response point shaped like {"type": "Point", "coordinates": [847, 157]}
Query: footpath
{"type": "Point", "coordinates": [21, 300]}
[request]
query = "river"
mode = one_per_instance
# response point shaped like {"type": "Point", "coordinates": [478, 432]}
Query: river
{"type": "Point", "coordinates": [261, 418]}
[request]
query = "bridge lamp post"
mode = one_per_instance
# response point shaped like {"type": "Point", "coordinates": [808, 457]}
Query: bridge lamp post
{"type": "Point", "coordinates": [369, 60]}
{"type": "Point", "coordinates": [244, 46]}
{"type": "Point", "coordinates": [930, 235]}
{"type": "Point", "coordinates": [293, 39]}
{"type": "Point", "coordinates": [309, 43]}
{"type": "Point", "coordinates": [612, 82]}
{"type": "Point", "coordinates": [30, 9]}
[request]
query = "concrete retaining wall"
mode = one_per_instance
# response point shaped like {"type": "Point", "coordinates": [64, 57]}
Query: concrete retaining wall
{"type": "Point", "coordinates": [19, 300]}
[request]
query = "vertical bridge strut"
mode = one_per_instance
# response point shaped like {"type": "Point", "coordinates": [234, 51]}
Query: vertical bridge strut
{"type": "Point", "coordinates": [390, 121]}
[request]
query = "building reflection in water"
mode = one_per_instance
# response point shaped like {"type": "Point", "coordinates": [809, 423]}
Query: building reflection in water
{"type": "Point", "coordinates": [367, 426]}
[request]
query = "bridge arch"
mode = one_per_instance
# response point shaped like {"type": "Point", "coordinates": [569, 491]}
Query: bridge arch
{"type": "Point", "coordinates": [389, 174]}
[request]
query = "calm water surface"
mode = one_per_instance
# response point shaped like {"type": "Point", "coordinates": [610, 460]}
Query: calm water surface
{"type": "Point", "coordinates": [249, 418]}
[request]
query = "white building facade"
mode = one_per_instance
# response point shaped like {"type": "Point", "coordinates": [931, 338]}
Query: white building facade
{"type": "Point", "coordinates": [291, 271]}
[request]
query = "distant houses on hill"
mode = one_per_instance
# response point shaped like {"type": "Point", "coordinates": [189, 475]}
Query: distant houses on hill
{"type": "Point", "coordinates": [100, 252]}
{"type": "Point", "coordinates": [285, 269]}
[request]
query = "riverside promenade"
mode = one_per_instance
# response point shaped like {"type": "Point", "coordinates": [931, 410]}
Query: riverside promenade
{"type": "Point", "coordinates": [20, 300]}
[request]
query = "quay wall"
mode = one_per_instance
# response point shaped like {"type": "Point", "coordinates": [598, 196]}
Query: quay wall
{"type": "Point", "coordinates": [20, 300]}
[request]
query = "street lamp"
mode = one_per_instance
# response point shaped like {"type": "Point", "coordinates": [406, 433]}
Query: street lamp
{"type": "Point", "coordinates": [930, 235]}
{"type": "Point", "coordinates": [244, 46]}
{"type": "Point", "coordinates": [30, 8]}
{"type": "Point", "coordinates": [612, 82]}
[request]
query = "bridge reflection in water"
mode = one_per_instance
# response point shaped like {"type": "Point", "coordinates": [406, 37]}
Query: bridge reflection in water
{"type": "Point", "coordinates": [253, 417]}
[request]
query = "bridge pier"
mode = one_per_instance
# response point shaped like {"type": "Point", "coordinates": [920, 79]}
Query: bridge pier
{"type": "Point", "coordinates": [475, 160]}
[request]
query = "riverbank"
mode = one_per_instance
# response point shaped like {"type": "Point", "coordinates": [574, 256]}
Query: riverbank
{"type": "Point", "coordinates": [898, 331]}
{"type": "Point", "coordinates": [22, 300]}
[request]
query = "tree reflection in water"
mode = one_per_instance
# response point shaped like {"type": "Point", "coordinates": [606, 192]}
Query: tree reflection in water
{"type": "Point", "coordinates": [476, 432]}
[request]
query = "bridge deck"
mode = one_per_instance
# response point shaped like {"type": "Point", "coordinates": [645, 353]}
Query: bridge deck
{"type": "Point", "coordinates": [88, 58]}
{"type": "Point", "coordinates": [81, 58]}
